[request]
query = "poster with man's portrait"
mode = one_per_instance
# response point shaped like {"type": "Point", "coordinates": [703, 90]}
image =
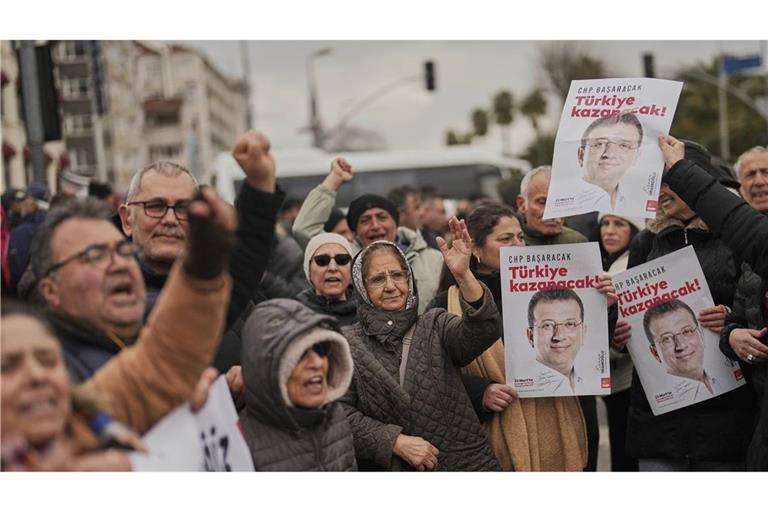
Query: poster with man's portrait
{"type": "Point", "coordinates": [677, 359]}
{"type": "Point", "coordinates": [607, 156]}
{"type": "Point", "coordinates": [555, 321]}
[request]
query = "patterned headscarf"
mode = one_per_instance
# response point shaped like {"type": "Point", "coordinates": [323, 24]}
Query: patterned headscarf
{"type": "Point", "coordinates": [358, 280]}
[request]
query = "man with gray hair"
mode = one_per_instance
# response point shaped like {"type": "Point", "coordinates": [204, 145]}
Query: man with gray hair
{"type": "Point", "coordinates": [155, 217]}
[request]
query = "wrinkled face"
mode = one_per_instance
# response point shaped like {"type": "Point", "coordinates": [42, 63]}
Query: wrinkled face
{"type": "Point", "coordinates": [386, 281]}
{"type": "Point", "coordinates": [558, 334]}
{"type": "Point", "coordinates": [672, 205]}
{"type": "Point", "coordinates": [614, 233]}
{"type": "Point", "coordinates": [532, 206]}
{"type": "Point", "coordinates": [35, 383]}
{"type": "Point", "coordinates": [375, 224]}
{"type": "Point", "coordinates": [610, 151]}
{"type": "Point", "coordinates": [330, 281]}
{"type": "Point", "coordinates": [506, 233]}
{"type": "Point", "coordinates": [410, 215]}
{"type": "Point", "coordinates": [433, 214]}
{"type": "Point", "coordinates": [109, 295]}
{"type": "Point", "coordinates": [678, 343]}
{"type": "Point", "coordinates": [342, 228]}
{"type": "Point", "coordinates": [754, 180]}
{"type": "Point", "coordinates": [160, 240]}
{"type": "Point", "coordinates": [308, 384]}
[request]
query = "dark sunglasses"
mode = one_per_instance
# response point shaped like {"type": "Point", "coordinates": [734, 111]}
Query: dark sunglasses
{"type": "Point", "coordinates": [323, 260]}
{"type": "Point", "coordinates": [321, 349]}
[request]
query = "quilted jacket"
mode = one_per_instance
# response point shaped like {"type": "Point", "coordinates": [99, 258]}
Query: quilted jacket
{"type": "Point", "coordinates": [282, 437]}
{"type": "Point", "coordinates": [432, 402]}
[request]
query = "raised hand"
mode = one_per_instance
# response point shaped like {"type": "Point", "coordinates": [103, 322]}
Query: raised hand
{"type": "Point", "coordinates": [340, 173]}
{"type": "Point", "coordinates": [672, 149]}
{"type": "Point", "coordinates": [251, 151]}
{"type": "Point", "coordinates": [457, 256]}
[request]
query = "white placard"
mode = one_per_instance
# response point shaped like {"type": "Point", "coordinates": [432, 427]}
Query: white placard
{"type": "Point", "coordinates": [607, 156]}
{"type": "Point", "coordinates": [555, 321]}
{"type": "Point", "coordinates": [210, 440]}
{"type": "Point", "coordinates": [678, 361]}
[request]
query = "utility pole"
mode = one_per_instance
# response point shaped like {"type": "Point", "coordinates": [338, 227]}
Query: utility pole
{"type": "Point", "coordinates": [722, 103]}
{"type": "Point", "coordinates": [33, 112]}
{"type": "Point", "coordinates": [315, 125]}
{"type": "Point", "coordinates": [246, 63]}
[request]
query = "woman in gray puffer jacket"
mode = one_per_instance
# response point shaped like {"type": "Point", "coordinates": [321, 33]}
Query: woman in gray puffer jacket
{"type": "Point", "coordinates": [296, 365]}
{"type": "Point", "coordinates": [407, 405]}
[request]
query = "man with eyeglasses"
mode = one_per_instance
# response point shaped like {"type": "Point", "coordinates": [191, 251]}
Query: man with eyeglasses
{"type": "Point", "coordinates": [556, 331]}
{"type": "Point", "coordinates": [155, 217]}
{"type": "Point", "coordinates": [608, 148]}
{"type": "Point", "coordinates": [676, 341]}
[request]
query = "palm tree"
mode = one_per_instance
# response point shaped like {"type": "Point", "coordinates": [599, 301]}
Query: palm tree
{"type": "Point", "coordinates": [534, 105]}
{"type": "Point", "coordinates": [480, 122]}
{"type": "Point", "coordinates": [504, 114]}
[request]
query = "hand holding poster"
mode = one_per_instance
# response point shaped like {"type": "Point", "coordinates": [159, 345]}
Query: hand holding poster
{"type": "Point", "coordinates": [555, 321]}
{"type": "Point", "coordinates": [607, 157]}
{"type": "Point", "coordinates": [209, 440]}
{"type": "Point", "coordinates": [678, 361]}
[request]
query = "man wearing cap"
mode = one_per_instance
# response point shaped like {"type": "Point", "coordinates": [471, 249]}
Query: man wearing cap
{"type": "Point", "coordinates": [370, 217]}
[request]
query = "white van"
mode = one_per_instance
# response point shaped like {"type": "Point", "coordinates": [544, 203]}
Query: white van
{"type": "Point", "coordinates": [456, 171]}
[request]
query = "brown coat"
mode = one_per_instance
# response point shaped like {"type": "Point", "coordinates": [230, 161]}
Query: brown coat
{"type": "Point", "coordinates": [159, 372]}
{"type": "Point", "coordinates": [532, 434]}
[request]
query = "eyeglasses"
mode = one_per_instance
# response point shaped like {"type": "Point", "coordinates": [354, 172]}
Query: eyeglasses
{"type": "Point", "coordinates": [549, 326]}
{"type": "Point", "coordinates": [622, 144]}
{"type": "Point", "coordinates": [323, 260]}
{"type": "Point", "coordinates": [322, 349]}
{"type": "Point", "coordinates": [99, 255]}
{"type": "Point", "coordinates": [157, 209]}
{"type": "Point", "coordinates": [379, 280]}
{"type": "Point", "coordinates": [670, 338]}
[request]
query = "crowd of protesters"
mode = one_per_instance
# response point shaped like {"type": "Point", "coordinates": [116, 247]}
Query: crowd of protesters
{"type": "Point", "coordinates": [369, 340]}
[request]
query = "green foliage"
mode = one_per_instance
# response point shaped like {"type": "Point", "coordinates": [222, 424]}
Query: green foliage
{"type": "Point", "coordinates": [504, 108]}
{"type": "Point", "coordinates": [697, 115]}
{"type": "Point", "coordinates": [565, 61]}
{"type": "Point", "coordinates": [540, 151]}
{"type": "Point", "coordinates": [480, 122]}
{"type": "Point", "coordinates": [454, 138]}
{"type": "Point", "coordinates": [509, 188]}
{"type": "Point", "coordinates": [533, 106]}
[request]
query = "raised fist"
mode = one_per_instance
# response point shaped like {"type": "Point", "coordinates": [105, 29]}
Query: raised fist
{"type": "Point", "coordinates": [251, 151]}
{"type": "Point", "coordinates": [341, 172]}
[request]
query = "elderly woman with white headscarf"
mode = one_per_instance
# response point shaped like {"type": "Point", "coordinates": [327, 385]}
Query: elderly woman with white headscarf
{"type": "Point", "coordinates": [407, 405]}
{"type": "Point", "coordinates": [327, 265]}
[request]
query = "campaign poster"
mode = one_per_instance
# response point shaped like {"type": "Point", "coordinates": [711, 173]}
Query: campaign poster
{"type": "Point", "coordinates": [607, 156]}
{"type": "Point", "coordinates": [209, 440]}
{"type": "Point", "coordinates": [678, 361]}
{"type": "Point", "coordinates": [555, 321]}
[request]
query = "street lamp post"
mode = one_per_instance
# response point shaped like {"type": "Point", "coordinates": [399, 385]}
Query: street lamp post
{"type": "Point", "coordinates": [315, 124]}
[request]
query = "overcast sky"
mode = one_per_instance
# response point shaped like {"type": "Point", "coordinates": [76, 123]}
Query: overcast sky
{"type": "Point", "coordinates": [469, 73]}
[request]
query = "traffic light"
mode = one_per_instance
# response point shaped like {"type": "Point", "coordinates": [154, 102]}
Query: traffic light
{"type": "Point", "coordinates": [429, 76]}
{"type": "Point", "coordinates": [648, 65]}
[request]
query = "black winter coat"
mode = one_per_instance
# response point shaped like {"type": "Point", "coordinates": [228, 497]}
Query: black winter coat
{"type": "Point", "coordinates": [718, 429]}
{"type": "Point", "coordinates": [745, 231]}
{"type": "Point", "coordinates": [344, 311]}
{"type": "Point", "coordinates": [85, 348]}
{"type": "Point", "coordinates": [282, 437]}
{"type": "Point", "coordinates": [256, 214]}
